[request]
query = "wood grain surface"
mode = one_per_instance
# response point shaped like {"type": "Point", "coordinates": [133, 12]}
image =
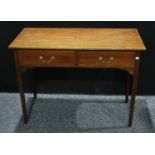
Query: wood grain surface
{"type": "Point", "coordinates": [78, 39]}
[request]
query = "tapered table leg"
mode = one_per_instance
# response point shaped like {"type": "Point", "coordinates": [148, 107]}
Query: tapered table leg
{"type": "Point", "coordinates": [127, 88]}
{"type": "Point", "coordinates": [134, 89]}
{"type": "Point", "coordinates": [21, 88]}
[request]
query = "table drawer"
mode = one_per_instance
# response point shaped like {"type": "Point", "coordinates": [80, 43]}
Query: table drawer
{"type": "Point", "coordinates": [106, 59]}
{"type": "Point", "coordinates": [46, 58]}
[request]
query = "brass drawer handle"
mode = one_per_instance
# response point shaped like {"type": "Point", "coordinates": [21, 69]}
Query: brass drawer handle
{"type": "Point", "coordinates": [105, 60]}
{"type": "Point", "coordinates": [41, 58]}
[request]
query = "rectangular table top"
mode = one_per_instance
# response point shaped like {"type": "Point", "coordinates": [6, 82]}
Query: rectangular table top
{"type": "Point", "coordinates": [79, 39]}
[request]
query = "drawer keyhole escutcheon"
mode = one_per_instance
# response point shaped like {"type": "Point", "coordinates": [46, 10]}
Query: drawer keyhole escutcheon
{"type": "Point", "coordinates": [50, 60]}
{"type": "Point", "coordinates": [105, 60]}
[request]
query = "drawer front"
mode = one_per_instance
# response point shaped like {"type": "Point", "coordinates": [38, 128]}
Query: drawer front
{"type": "Point", "coordinates": [106, 59]}
{"type": "Point", "coordinates": [40, 58]}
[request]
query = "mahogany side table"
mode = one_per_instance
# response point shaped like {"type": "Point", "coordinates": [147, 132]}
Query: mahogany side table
{"type": "Point", "coordinates": [118, 48]}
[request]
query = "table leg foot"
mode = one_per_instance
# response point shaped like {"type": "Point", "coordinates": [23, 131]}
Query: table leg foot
{"type": "Point", "coordinates": [25, 120]}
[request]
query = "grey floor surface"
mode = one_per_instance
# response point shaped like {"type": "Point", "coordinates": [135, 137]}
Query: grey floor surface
{"type": "Point", "coordinates": [76, 113]}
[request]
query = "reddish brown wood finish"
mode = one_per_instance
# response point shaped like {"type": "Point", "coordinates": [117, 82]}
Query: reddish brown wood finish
{"type": "Point", "coordinates": [79, 39]}
{"type": "Point", "coordinates": [84, 59]}
{"type": "Point", "coordinates": [21, 88]}
{"type": "Point", "coordinates": [106, 59]}
{"type": "Point", "coordinates": [134, 89]}
{"type": "Point", "coordinates": [78, 48]}
{"type": "Point", "coordinates": [46, 58]}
